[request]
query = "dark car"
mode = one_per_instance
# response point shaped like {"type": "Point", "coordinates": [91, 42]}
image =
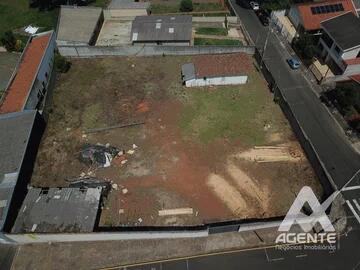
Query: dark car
{"type": "Point", "coordinates": [263, 16]}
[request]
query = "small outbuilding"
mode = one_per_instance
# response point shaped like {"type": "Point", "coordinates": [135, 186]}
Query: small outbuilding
{"type": "Point", "coordinates": [220, 69]}
{"type": "Point", "coordinates": [162, 30]}
{"type": "Point", "coordinates": [59, 210]}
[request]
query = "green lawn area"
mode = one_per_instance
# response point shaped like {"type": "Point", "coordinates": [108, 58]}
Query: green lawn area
{"type": "Point", "coordinates": [217, 31]}
{"type": "Point", "coordinates": [231, 112]}
{"type": "Point", "coordinates": [175, 8]}
{"type": "Point", "coordinates": [216, 42]}
{"type": "Point", "coordinates": [16, 13]}
{"type": "Point", "coordinates": [99, 3]}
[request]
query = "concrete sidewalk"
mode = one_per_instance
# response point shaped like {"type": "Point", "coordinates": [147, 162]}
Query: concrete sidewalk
{"type": "Point", "coordinates": [94, 255]}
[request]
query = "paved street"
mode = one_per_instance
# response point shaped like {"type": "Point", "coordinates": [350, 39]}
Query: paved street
{"type": "Point", "coordinates": [345, 257]}
{"type": "Point", "coordinates": [330, 143]}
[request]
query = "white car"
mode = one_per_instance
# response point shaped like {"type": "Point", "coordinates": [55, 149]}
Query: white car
{"type": "Point", "coordinates": [254, 5]}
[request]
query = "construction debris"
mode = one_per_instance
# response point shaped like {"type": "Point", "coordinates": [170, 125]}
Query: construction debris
{"type": "Point", "coordinates": [98, 155]}
{"type": "Point", "coordinates": [176, 211]}
{"type": "Point", "coordinates": [113, 127]}
{"type": "Point", "coordinates": [262, 154]}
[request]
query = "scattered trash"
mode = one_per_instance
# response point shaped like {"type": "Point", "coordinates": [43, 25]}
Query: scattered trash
{"type": "Point", "coordinates": [84, 136]}
{"type": "Point", "coordinates": [130, 152]}
{"type": "Point", "coordinates": [140, 220]}
{"type": "Point", "coordinates": [267, 126]}
{"type": "Point", "coordinates": [132, 65]}
{"type": "Point", "coordinates": [98, 155]}
{"type": "Point", "coordinates": [82, 174]}
{"type": "Point", "coordinates": [123, 161]}
{"type": "Point", "coordinates": [134, 146]}
{"type": "Point", "coordinates": [90, 182]}
{"type": "Point", "coordinates": [68, 129]}
{"type": "Point", "coordinates": [121, 211]}
{"type": "Point", "coordinates": [114, 186]}
{"type": "Point", "coordinates": [121, 153]}
{"type": "Point", "coordinates": [31, 29]}
{"type": "Point", "coordinates": [125, 190]}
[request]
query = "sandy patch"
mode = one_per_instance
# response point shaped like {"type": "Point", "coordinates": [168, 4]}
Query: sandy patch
{"type": "Point", "coordinates": [228, 194]}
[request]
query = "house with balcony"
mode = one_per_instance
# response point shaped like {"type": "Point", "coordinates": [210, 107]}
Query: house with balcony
{"type": "Point", "coordinates": [339, 45]}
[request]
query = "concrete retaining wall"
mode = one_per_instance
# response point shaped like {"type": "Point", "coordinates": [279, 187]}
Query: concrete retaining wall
{"type": "Point", "coordinates": [103, 51]}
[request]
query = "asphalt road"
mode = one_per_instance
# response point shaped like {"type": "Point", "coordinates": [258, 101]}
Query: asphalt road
{"type": "Point", "coordinates": [332, 146]}
{"type": "Point", "coordinates": [346, 257]}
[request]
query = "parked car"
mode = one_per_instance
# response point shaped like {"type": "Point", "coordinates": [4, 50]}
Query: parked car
{"type": "Point", "coordinates": [254, 5]}
{"type": "Point", "coordinates": [293, 63]}
{"type": "Point", "coordinates": [263, 16]}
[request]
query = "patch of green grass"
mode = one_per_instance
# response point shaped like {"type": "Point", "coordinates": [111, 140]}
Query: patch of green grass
{"type": "Point", "coordinates": [91, 115]}
{"type": "Point", "coordinates": [15, 14]}
{"type": "Point", "coordinates": [99, 3]}
{"type": "Point", "coordinates": [217, 42]}
{"type": "Point", "coordinates": [231, 112]}
{"type": "Point", "coordinates": [164, 8]}
{"type": "Point", "coordinates": [217, 31]}
{"type": "Point", "coordinates": [198, 7]}
{"type": "Point", "coordinates": [207, 7]}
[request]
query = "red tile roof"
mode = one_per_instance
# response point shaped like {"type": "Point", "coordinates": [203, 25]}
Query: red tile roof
{"type": "Point", "coordinates": [222, 65]}
{"type": "Point", "coordinates": [356, 78]}
{"type": "Point", "coordinates": [355, 61]}
{"type": "Point", "coordinates": [17, 92]}
{"type": "Point", "coordinates": [312, 21]}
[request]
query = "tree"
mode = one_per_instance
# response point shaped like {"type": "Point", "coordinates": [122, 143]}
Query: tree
{"type": "Point", "coordinates": [186, 6]}
{"type": "Point", "coordinates": [61, 64]}
{"type": "Point", "coordinates": [305, 45]}
{"type": "Point", "coordinates": [9, 41]}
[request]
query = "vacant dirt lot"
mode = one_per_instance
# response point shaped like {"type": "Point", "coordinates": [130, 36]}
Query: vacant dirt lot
{"type": "Point", "coordinates": [212, 154]}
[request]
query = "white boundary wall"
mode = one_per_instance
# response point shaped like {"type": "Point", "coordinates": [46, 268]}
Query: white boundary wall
{"type": "Point", "coordinates": [98, 236]}
{"type": "Point", "coordinates": [136, 50]}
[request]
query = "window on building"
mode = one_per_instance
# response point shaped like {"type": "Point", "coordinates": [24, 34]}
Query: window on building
{"type": "Point", "coordinates": [327, 40]}
{"type": "Point", "coordinates": [337, 49]}
{"type": "Point", "coordinates": [358, 55]}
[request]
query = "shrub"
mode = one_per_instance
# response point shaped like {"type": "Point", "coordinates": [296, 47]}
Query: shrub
{"type": "Point", "coordinates": [61, 64]}
{"type": "Point", "coordinates": [186, 6]}
{"type": "Point", "coordinates": [9, 41]}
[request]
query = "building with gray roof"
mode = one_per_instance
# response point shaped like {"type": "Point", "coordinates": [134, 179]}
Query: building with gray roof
{"type": "Point", "coordinates": [162, 30]}
{"type": "Point", "coordinates": [59, 210]}
{"type": "Point", "coordinates": [79, 25]}
{"type": "Point", "coordinates": [20, 135]}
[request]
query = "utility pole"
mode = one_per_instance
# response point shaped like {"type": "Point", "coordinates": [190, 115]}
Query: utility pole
{"type": "Point", "coordinates": [265, 44]}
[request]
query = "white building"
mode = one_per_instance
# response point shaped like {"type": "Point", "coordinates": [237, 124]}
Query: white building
{"type": "Point", "coordinates": [221, 69]}
{"type": "Point", "coordinates": [340, 45]}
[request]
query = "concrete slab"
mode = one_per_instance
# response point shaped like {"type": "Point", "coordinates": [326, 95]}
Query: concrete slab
{"type": "Point", "coordinates": [114, 33]}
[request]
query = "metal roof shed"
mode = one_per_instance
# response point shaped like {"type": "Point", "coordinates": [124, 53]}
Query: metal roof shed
{"type": "Point", "coordinates": [59, 210]}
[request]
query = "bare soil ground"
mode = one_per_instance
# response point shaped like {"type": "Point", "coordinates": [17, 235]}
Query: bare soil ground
{"type": "Point", "coordinates": [225, 152]}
